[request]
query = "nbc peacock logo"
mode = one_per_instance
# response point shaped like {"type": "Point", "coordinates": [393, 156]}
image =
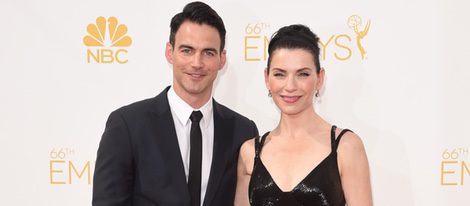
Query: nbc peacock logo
{"type": "Point", "coordinates": [106, 39]}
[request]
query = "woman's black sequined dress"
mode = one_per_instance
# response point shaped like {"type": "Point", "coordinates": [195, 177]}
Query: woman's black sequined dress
{"type": "Point", "coordinates": [321, 187]}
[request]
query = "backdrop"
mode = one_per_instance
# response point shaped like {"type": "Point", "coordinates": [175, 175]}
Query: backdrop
{"type": "Point", "coordinates": [396, 74]}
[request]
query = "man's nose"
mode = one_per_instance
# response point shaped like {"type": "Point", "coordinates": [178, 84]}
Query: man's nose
{"type": "Point", "coordinates": [197, 61]}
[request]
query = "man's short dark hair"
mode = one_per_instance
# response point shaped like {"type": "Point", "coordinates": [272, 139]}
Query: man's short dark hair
{"type": "Point", "coordinates": [200, 13]}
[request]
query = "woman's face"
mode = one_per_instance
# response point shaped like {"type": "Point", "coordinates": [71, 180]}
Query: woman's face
{"type": "Point", "coordinates": [293, 80]}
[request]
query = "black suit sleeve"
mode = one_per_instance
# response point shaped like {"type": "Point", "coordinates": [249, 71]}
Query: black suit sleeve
{"type": "Point", "coordinates": [113, 180]}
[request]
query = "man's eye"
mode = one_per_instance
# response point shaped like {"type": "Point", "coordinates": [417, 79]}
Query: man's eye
{"type": "Point", "coordinates": [210, 53]}
{"type": "Point", "coordinates": [186, 51]}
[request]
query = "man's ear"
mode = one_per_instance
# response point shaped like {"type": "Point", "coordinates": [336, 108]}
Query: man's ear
{"type": "Point", "coordinates": [169, 53]}
{"type": "Point", "coordinates": [223, 58]}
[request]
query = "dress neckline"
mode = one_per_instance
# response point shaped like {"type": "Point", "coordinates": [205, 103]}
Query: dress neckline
{"type": "Point", "coordinates": [333, 151]}
{"type": "Point", "coordinates": [303, 179]}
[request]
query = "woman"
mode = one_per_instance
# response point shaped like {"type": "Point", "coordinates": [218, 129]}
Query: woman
{"type": "Point", "coordinates": [304, 160]}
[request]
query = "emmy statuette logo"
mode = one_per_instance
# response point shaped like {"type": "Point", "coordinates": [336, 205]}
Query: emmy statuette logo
{"type": "Point", "coordinates": [354, 22]}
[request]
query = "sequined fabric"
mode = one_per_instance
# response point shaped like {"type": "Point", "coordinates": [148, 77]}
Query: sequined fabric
{"type": "Point", "coordinates": [321, 187]}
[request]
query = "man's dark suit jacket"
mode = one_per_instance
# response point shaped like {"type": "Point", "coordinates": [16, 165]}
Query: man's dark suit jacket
{"type": "Point", "coordinates": [139, 161]}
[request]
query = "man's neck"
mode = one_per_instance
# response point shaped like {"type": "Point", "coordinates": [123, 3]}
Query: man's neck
{"type": "Point", "coordinates": [196, 101]}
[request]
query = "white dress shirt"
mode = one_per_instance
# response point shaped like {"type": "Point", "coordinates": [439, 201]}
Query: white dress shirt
{"type": "Point", "coordinates": [181, 112]}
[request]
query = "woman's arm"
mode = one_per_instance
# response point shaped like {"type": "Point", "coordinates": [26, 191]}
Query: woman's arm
{"type": "Point", "coordinates": [354, 170]}
{"type": "Point", "coordinates": [245, 167]}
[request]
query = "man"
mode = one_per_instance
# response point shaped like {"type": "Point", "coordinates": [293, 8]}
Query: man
{"type": "Point", "coordinates": [160, 151]}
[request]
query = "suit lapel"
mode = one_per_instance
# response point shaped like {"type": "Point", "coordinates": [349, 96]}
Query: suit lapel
{"type": "Point", "coordinates": [223, 141]}
{"type": "Point", "coordinates": [168, 143]}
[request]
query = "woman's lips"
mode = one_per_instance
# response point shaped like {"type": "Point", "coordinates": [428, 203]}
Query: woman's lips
{"type": "Point", "coordinates": [290, 99]}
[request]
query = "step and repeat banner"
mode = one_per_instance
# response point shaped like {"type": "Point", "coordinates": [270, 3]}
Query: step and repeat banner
{"type": "Point", "coordinates": [396, 73]}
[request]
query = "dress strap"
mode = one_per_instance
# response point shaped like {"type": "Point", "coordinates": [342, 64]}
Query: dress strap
{"type": "Point", "coordinates": [341, 135]}
{"type": "Point", "coordinates": [257, 147]}
{"type": "Point", "coordinates": [333, 137]}
{"type": "Point", "coordinates": [335, 140]}
{"type": "Point", "coordinates": [259, 142]}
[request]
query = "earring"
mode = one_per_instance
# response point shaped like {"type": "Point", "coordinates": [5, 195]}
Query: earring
{"type": "Point", "coordinates": [269, 93]}
{"type": "Point", "coordinates": [317, 96]}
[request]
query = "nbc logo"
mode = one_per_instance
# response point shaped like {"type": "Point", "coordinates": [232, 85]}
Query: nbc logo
{"type": "Point", "coordinates": [105, 40]}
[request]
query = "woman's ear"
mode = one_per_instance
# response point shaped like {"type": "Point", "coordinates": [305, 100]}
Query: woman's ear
{"type": "Point", "coordinates": [266, 78]}
{"type": "Point", "coordinates": [321, 79]}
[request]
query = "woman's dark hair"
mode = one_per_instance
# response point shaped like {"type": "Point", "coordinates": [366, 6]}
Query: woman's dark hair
{"type": "Point", "coordinates": [200, 13]}
{"type": "Point", "coordinates": [295, 36]}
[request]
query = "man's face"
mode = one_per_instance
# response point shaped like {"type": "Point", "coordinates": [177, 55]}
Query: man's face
{"type": "Point", "coordinates": [196, 59]}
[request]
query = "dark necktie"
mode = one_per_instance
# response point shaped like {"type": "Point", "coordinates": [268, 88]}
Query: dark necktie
{"type": "Point", "coordinates": [195, 159]}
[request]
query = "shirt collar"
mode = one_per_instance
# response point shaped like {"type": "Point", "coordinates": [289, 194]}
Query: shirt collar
{"type": "Point", "coordinates": [183, 111]}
